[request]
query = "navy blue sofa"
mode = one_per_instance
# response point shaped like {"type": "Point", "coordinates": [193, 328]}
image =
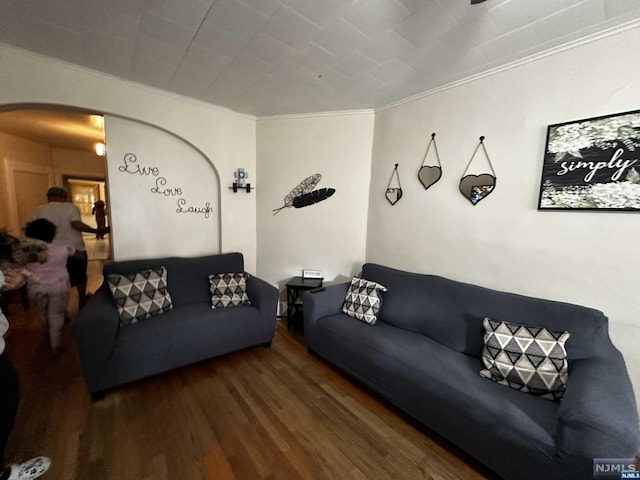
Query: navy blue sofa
{"type": "Point", "coordinates": [424, 355]}
{"type": "Point", "coordinates": [192, 331]}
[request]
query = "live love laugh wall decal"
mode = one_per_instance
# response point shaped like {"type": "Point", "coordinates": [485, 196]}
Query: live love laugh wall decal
{"type": "Point", "coordinates": [130, 166]}
{"type": "Point", "coordinates": [593, 164]}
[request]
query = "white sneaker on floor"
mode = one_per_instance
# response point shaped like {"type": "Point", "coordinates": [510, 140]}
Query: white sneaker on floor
{"type": "Point", "coordinates": [30, 469]}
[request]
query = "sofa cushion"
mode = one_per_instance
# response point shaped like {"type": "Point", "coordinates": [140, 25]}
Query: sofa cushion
{"type": "Point", "coordinates": [363, 300]}
{"type": "Point", "coordinates": [140, 295]}
{"type": "Point", "coordinates": [452, 312]}
{"type": "Point", "coordinates": [188, 277]}
{"type": "Point", "coordinates": [529, 359]}
{"type": "Point", "coordinates": [228, 290]}
{"type": "Point", "coordinates": [435, 384]}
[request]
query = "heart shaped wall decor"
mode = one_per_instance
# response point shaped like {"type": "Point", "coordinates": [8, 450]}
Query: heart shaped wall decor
{"type": "Point", "coordinates": [477, 187]}
{"type": "Point", "coordinates": [393, 195]}
{"type": "Point", "coordinates": [429, 175]}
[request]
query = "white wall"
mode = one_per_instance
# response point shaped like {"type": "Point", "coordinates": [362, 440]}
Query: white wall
{"type": "Point", "coordinates": [588, 258]}
{"type": "Point", "coordinates": [225, 138]}
{"type": "Point", "coordinates": [165, 191]}
{"type": "Point", "coordinates": [331, 235]}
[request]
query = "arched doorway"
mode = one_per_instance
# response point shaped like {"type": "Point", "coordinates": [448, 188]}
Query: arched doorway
{"type": "Point", "coordinates": [41, 147]}
{"type": "Point", "coordinates": [182, 218]}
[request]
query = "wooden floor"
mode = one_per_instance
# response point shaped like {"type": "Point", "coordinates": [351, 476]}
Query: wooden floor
{"type": "Point", "coordinates": [276, 413]}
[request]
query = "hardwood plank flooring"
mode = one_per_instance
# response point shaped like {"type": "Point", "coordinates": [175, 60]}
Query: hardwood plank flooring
{"type": "Point", "coordinates": [262, 413]}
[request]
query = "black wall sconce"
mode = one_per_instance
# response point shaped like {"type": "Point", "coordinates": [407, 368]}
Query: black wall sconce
{"type": "Point", "coordinates": [241, 181]}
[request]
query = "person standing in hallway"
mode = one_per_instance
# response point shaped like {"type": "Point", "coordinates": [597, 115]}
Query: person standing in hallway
{"type": "Point", "coordinates": [69, 227]}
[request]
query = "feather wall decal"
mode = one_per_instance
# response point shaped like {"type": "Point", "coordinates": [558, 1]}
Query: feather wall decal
{"type": "Point", "coordinates": [305, 186]}
{"type": "Point", "coordinates": [313, 197]}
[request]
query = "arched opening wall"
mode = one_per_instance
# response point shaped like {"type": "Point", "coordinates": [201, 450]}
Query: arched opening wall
{"type": "Point", "coordinates": [164, 195]}
{"type": "Point", "coordinates": [225, 139]}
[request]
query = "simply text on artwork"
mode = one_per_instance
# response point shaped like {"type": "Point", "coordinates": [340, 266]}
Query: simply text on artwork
{"type": "Point", "coordinates": [616, 162]}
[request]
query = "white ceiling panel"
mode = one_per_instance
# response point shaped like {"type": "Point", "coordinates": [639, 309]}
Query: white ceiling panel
{"type": "Point", "coordinates": [248, 65]}
{"type": "Point", "coordinates": [149, 48]}
{"type": "Point", "coordinates": [319, 13]}
{"type": "Point", "coordinates": [340, 38]}
{"type": "Point", "coordinates": [203, 58]}
{"type": "Point", "coordinates": [508, 45]}
{"type": "Point", "coordinates": [54, 41]}
{"type": "Point", "coordinates": [510, 16]}
{"type": "Point", "coordinates": [268, 7]}
{"type": "Point", "coordinates": [150, 72]}
{"type": "Point", "coordinates": [375, 16]}
{"type": "Point", "coordinates": [385, 46]}
{"type": "Point", "coordinates": [219, 40]}
{"type": "Point", "coordinates": [191, 80]}
{"type": "Point", "coordinates": [98, 17]}
{"type": "Point", "coordinates": [229, 85]}
{"type": "Point", "coordinates": [168, 31]}
{"type": "Point", "coordinates": [333, 78]}
{"type": "Point", "coordinates": [188, 13]}
{"type": "Point", "coordinates": [132, 8]}
{"type": "Point", "coordinates": [114, 55]}
{"type": "Point", "coordinates": [237, 17]}
{"type": "Point", "coordinates": [579, 16]}
{"type": "Point", "coordinates": [290, 27]}
{"type": "Point", "coordinates": [620, 7]}
{"type": "Point", "coordinates": [314, 57]}
{"type": "Point", "coordinates": [392, 70]}
{"type": "Point", "coordinates": [354, 63]}
{"type": "Point", "coordinates": [269, 57]}
{"type": "Point", "coordinates": [268, 48]}
{"type": "Point", "coordinates": [426, 25]}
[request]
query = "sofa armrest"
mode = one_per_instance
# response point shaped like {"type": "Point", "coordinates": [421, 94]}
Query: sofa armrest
{"type": "Point", "coordinates": [96, 328]}
{"type": "Point", "coordinates": [598, 416]}
{"type": "Point", "coordinates": [264, 297]}
{"type": "Point", "coordinates": [320, 304]}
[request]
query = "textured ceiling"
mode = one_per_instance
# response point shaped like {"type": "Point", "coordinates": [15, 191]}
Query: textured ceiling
{"type": "Point", "coordinates": [270, 57]}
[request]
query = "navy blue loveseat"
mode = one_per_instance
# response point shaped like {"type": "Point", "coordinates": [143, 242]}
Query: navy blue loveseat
{"type": "Point", "coordinates": [424, 355]}
{"type": "Point", "coordinates": [192, 331]}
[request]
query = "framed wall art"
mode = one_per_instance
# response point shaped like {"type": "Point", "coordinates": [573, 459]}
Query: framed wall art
{"type": "Point", "coordinates": [592, 164]}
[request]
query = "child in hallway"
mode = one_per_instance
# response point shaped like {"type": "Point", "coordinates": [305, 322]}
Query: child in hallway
{"type": "Point", "coordinates": [101, 221]}
{"type": "Point", "coordinates": [48, 283]}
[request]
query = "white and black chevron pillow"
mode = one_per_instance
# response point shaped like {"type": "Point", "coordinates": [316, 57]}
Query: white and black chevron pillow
{"type": "Point", "coordinates": [229, 290]}
{"type": "Point", "coordinates": [363, 300]}
{"type": "Point", "coordinates": [140, 295]}
{"type": "Point", "coordinates": [529, 359]}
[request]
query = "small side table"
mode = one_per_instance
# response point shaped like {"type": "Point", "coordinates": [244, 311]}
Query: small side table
{"type": "Point", "coordinates": [295, 287]}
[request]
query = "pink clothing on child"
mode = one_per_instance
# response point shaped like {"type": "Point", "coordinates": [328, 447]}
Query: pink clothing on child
{"type": "Point", "coordinates": [52, 275]}
{"type": "Point", "coordinates": [48, 286]}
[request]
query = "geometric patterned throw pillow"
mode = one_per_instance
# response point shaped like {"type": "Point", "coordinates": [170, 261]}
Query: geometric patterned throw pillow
{"type": "Point", "coordinates": [363, 300]}
{"type": "Point", "coordinates": [229, 290]}
{"type": "Point", "coordinates": [140, 295]}
{"type": "Point", "coordinates": [529, 359]}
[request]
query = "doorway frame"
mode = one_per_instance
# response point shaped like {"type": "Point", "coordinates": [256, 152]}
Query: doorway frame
{"type": "Point", "coordinates": [10, 167]}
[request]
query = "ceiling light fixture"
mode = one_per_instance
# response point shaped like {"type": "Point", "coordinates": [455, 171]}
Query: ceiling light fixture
{"type": "Point", "coordinates": [100, 149]}
{"type": "Point", "coordinates": [473, 2]}
{"type": "Point", "coordinates": [97, 121]}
